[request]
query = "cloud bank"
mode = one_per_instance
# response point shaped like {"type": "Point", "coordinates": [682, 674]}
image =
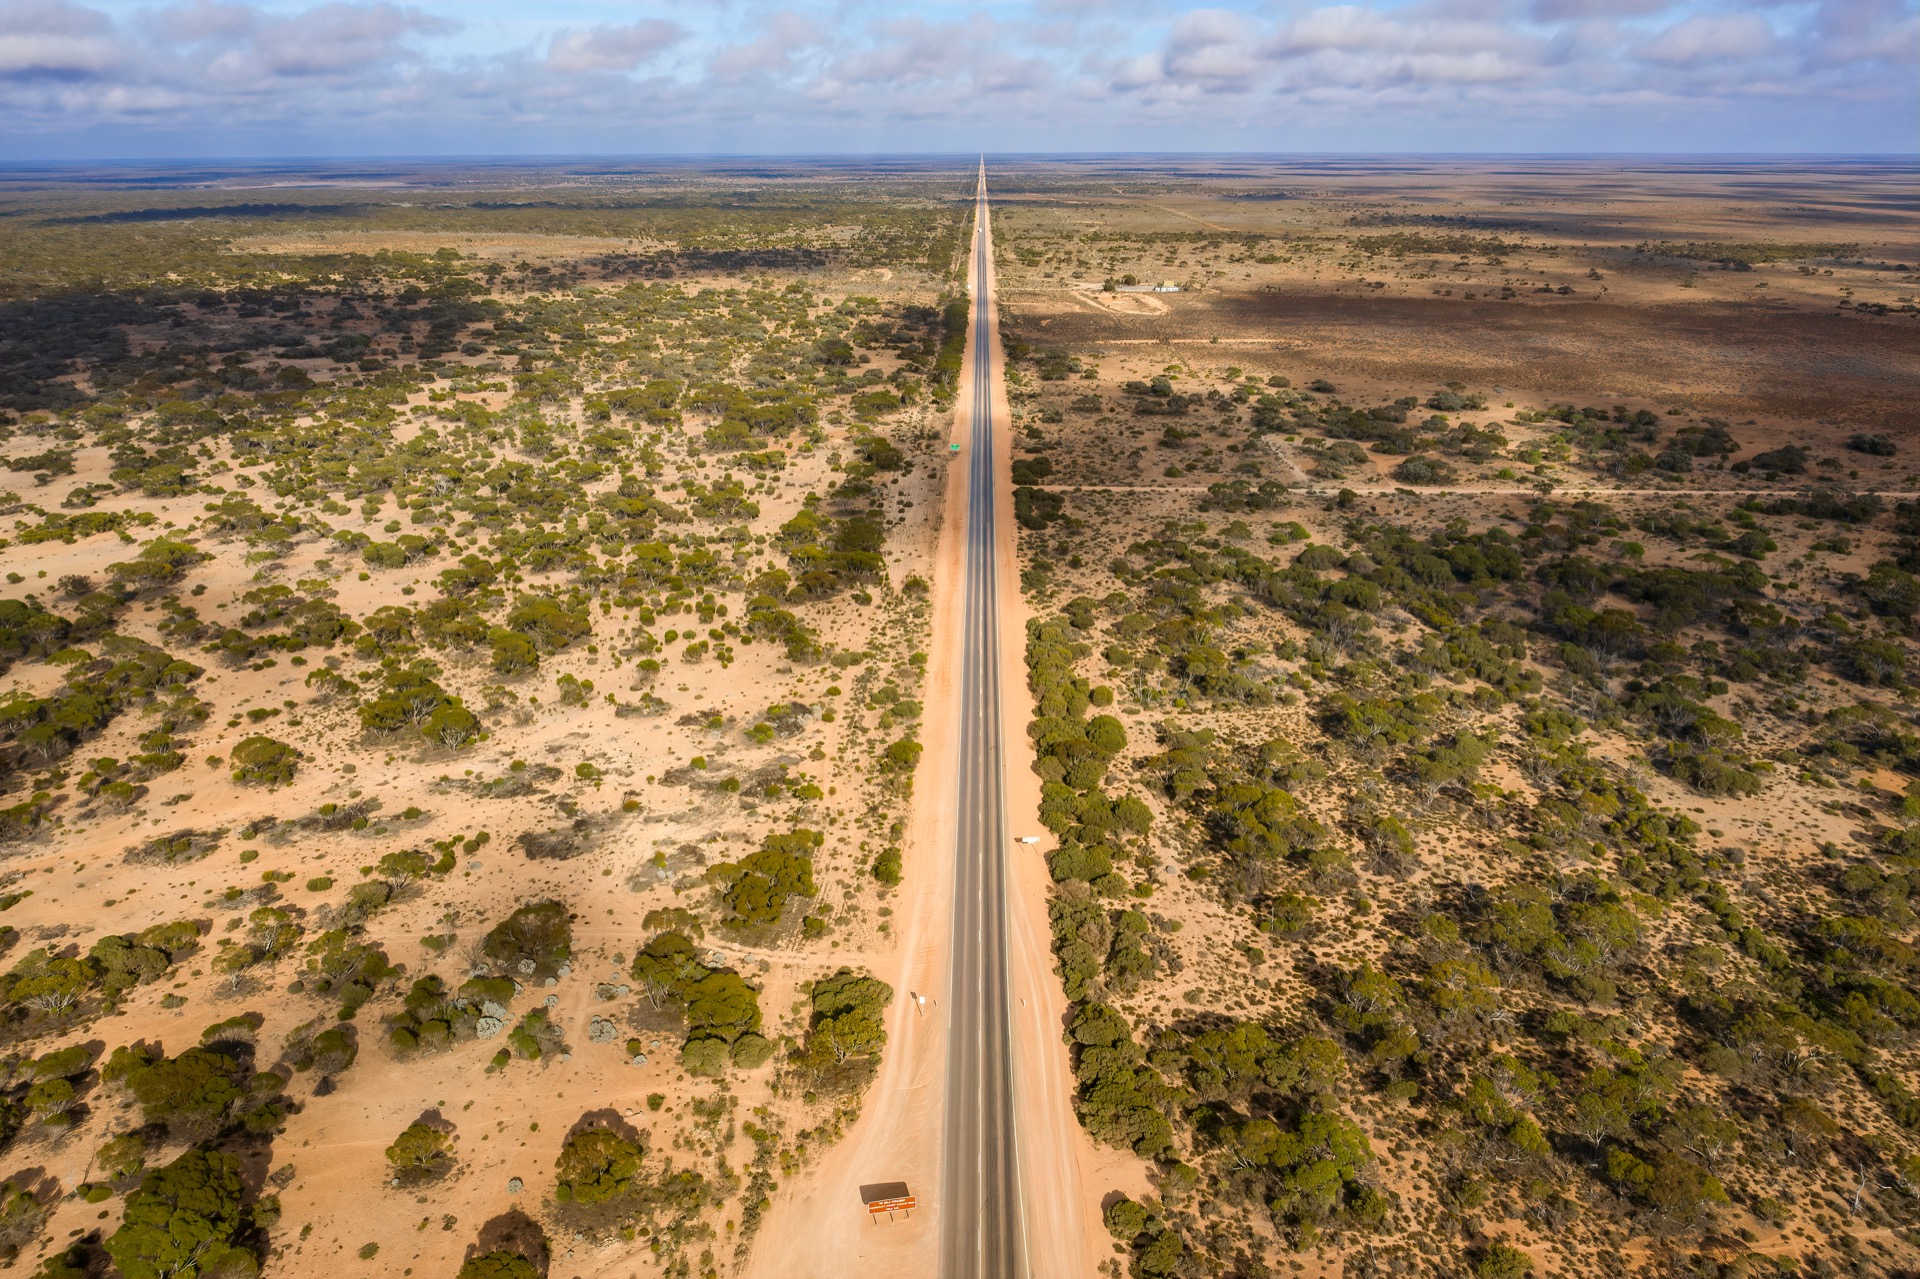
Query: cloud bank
{"type": "Point", "coordinates": [208, 77]}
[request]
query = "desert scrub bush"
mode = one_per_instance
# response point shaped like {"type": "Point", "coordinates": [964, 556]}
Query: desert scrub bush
{"type": "Point", "coordinates": [1243, 496]}
{"type": "Point", "coordinates": [1095, 946]}
{"type": "Point", "coordinates": [757, 889]}
{"type": "Point", "coordinates": [1580, 939]}
{"type": "Point", "coordinates": [1031, 470]}
{"type": "Point", "coordinates": [1036, 508]}
{"type": "Point", "coordinates": [51, 986]}
{"type": "Point", "coordinates": [410, 698]}
{"type": "Point", "coordinates": [1120, 1100]}
{"type": "Point", "coordinates": [341, 963]}
{"type": "Point", "coordinates": [1424, 469]}
{"type": "Point", "coordinates": [326, 1050]}
{"type": "Point", "coordinates": [421, 1153]}
{"type": "Point", "coordinates": [400, 871]}
{"type": "Point", "coordinates": [899, 760]}
{"type": "Point", "coordinates": [597, 1165]}
{"type": "Point", "coordinates": [500, 1263]}
{"type": "Point", "coordinates": [129, 673]}
{"type": "Point", "coordinates": [185, 1219]}
{"type": "Point", "coordinates": [176, 848]}
{"type": "Point", "coordinates": [719, 1007]}
{"type": "Point", "coordinates": [1502, 1261]}
{"type": "Point", "coordinates": [263, 761]}
{"type": "Point", "coordinates": [54, 1083]}
{"type": "Point", "coordinates": [435, 1017]}
{"type": "Point", "coordinates": [28, 631]}
{"type": "Point", "coordinates": [535, 941]}
{"type": "Point", "coordinates": [945, 373]}
{"type": "Point", "coordinates": [202, 1093]}
{"type": "Point", "coordinates": [160, 563]}
{"type": "Point", "coordinates": [1288, 915]}
{"type": "Point", "coordinates": [1710, 771]}
{"type": "Point", "coordinates": [548, 624]}
{"type": "Point", "coordinates": [406, 549]}
{"type": "Point", "coordinates": [676, 919]}
{"type": "Point", "coordinates": [845, 1031]}
{"type": "Point", "coordinates": [125, 961]}
{"type": "Point", "coordinates": [535, 1037]}
{"type": "Point", "coordinates": [1875, 663]}
{"type": "Point", "coordinates": [766, 620]}
{"type": "Point", "coordinates": [272, 933]}
{"type": "Point", "coordinates": [122, 1157]}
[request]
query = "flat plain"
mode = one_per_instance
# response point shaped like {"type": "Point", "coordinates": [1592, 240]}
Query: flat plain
{"type": "Point", "coordinates": [480, 715]}
{"type": "Point", "coordinates": [465, 634]}
{"type": "Point", "coordinates": [1473, 613]}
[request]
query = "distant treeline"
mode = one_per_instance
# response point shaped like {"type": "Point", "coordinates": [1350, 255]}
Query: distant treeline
{"type": "Point", "coordinates": [1751, 254]}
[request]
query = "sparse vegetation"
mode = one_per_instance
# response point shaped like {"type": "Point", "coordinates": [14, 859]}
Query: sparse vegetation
{"type": "Point", "coordinates": [1478, 812]}
{"type": "Point", "coordinates": [1495, 802]}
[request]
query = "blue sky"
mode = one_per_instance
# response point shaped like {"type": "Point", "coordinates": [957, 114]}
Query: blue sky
{"type": "Point", "coordinates": [120, 78]}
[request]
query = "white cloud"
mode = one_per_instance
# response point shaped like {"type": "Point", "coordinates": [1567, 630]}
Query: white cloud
{"type": "Point", "coordinates": [612, 48]}
{"type": "Point", "coordinates": [786, 35]}
{"type": "Point", "coordinates": [51, 18]}
{"type": "Point", "coordinates": [337, 39]}
{"type": "Point", "coordinates": [1708, 38]}
{"type": "Point", "coordinates": [53, 40]}
{"type": "Point", "coordinates": [1054, 74]}
{"type": "Point", "coordinates": [1565, 10]}
{"type": "Point", "coordinates": [1861, 33]}
{"type": "Point", "coordinates": [203, 21]}
{"type": "Point", "coordinates": [1214, 49]}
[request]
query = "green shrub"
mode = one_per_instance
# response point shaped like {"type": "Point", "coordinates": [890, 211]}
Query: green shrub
{"type": "Point", "coordinates": [597, 1166]}
{"type": "Point", "coordinates": [1422, 469]}
{"type": "Point", "coordinates": [421, 1153]}
{"type": "Point", "coordinates": [761, 884]}
{"type": "Point", "coordinates": [263, 761]}
{"type": "Point", "coordinates": [1502, 1261]}
{"type": "Point", "coordinates": [184, 1219]}
{"type": "Point", "coordinates": [512, 651]}
{"type": "Point", "coordinates": [498, 1264]}
{"type": "Point", "coordinates": [847, 1029]}
{"type": "Point", "coordinates": [533, 942]}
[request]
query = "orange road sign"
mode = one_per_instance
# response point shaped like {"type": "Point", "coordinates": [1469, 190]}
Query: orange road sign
{"type": "Point", "coordinates": [901, 1204]}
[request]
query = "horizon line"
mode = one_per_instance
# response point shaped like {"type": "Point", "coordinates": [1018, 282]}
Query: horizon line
{"type": "Point", "coordinates": [970, 155]}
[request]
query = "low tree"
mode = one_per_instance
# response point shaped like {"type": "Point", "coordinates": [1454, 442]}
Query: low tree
{"type": "Point", "coordinates": [761, 884]}
{"type": "Point", "coordinates": [78, 1261]}
{"type": "Point", "coordinates": [263, 761]}
{"type": "Point", "coordinates": [1502, 1261]}
{"type": "Point", "coordinates": [200, 1093]}
{"type": "Point", "coordinates": [498, 1264]}
{"type": "Point", "coordinates": [420, 1153]}
{"type": "Point", "coordinates": [184, 1220]}
{"type": "Point", "coordinates": [22, 1218]}
{"type": "Point", "coordinates": [534, 941]}
{"type": "Point", "coordinates": [596, 1166]}
{"type": "Point", "coordinates": [848, 1020]}
{"type": "Point", "coordinates": [720, 1008]}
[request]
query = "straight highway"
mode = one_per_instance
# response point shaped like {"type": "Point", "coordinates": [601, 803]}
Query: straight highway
{"type": "Point", "coordinates": [983, 1231]}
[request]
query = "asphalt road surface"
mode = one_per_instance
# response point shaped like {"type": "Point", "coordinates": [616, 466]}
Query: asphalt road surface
{"type": "Point", "coordinates": [983, 1233]}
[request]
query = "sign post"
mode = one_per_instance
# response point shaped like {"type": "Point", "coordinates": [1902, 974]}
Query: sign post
{"type": "Point", "coordinates": [903, 1204]}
